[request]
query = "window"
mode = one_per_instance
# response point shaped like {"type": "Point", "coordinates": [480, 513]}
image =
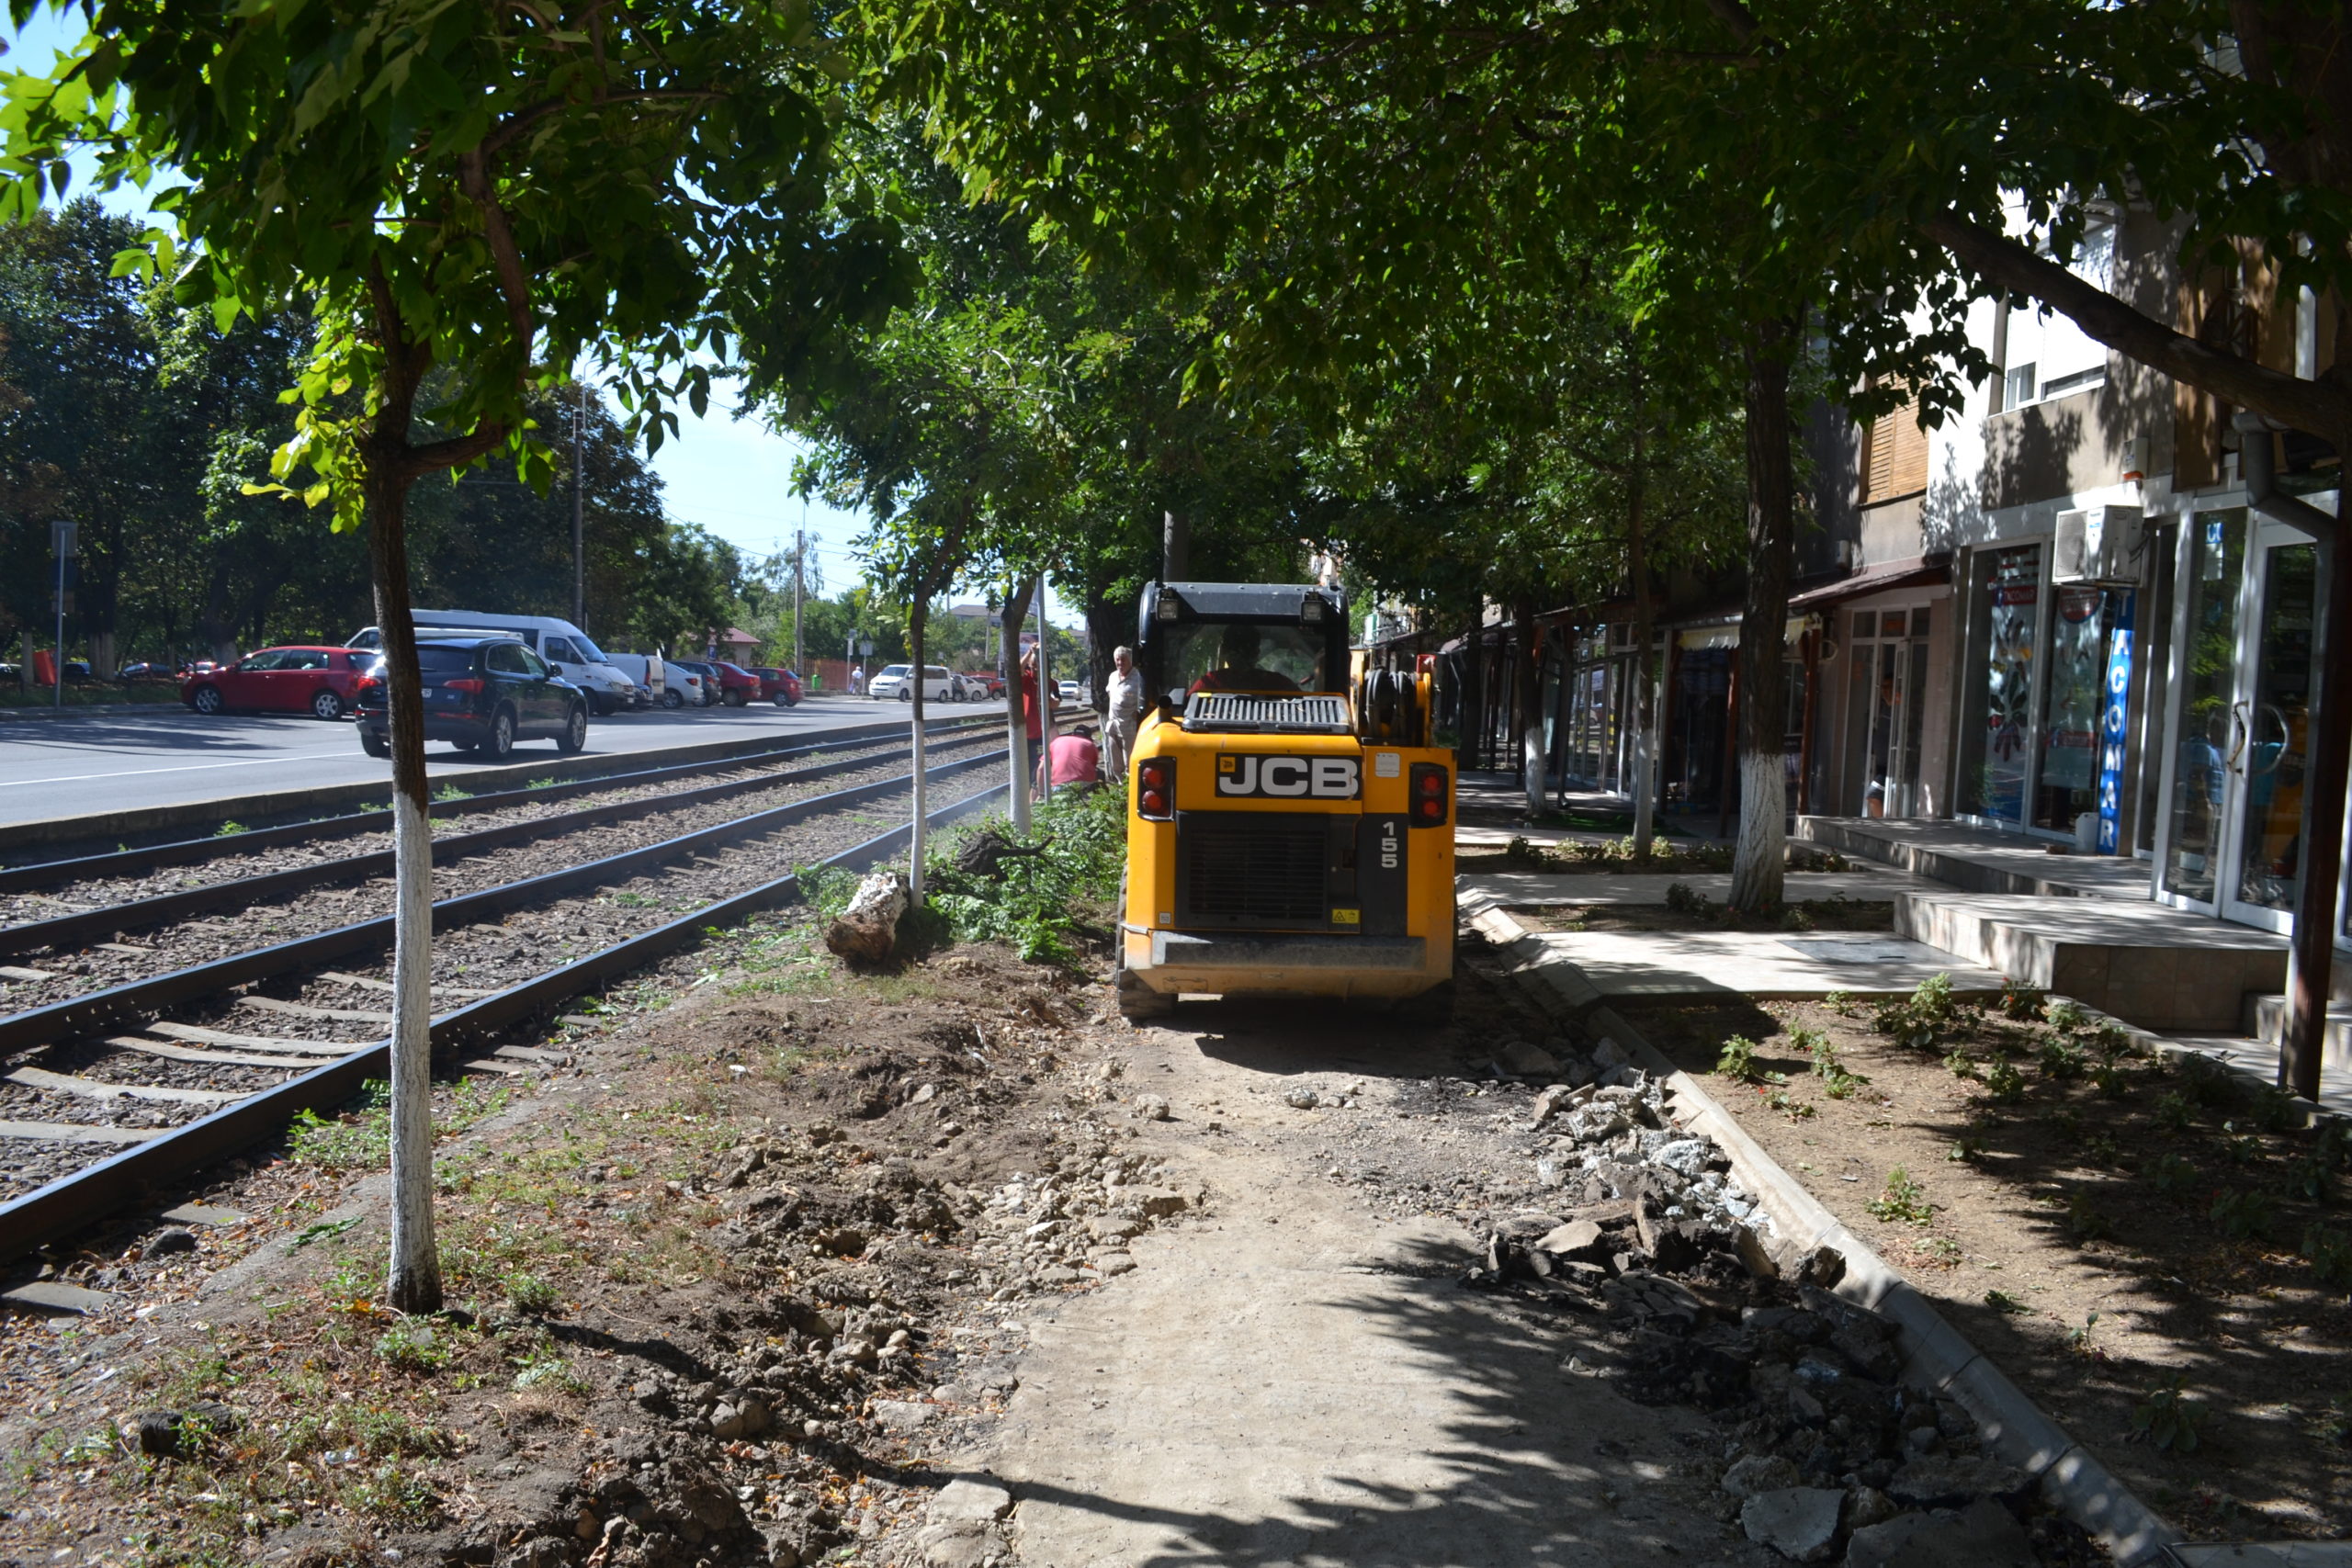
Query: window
{"type": "Point", "coordinates": [506, 658]}
{"type": "Point", "coordinates": [2048, 355]}
{"type": "Point", "coordinates": [444, 660]}
{"type": "Point", "coordinates": [533, 664]}
{"type": "Point", "coordinates": [304, 659]}
{"type": "Point", "coordinates": [1288, 652]}
{"type": "Point", "coordinates": [560, 651]}
{"type": "Point", "coordinates": [254, 661]}
{"type": "Point", "coordinates": [1894, 456]}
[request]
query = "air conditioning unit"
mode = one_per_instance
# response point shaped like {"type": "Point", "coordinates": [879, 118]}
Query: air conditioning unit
{"type": "Point", "coordinates": [2100, 544]}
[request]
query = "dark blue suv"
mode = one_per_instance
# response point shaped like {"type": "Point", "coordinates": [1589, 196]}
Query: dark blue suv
{"type": "Point", "coordinates": [482, 694]}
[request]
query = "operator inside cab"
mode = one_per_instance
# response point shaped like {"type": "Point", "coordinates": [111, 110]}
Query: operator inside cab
{"type": "Point", "coordinates": [1236, 668]}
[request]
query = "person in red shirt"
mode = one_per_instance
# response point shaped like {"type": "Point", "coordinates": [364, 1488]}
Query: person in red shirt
{"type": "Point", "coordinates": [1032, 716]}
{"type": "Point", "coordinates": [1077, 762]}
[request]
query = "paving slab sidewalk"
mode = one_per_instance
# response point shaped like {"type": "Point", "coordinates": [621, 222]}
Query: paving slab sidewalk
{"type": "Point", "coordinates": [1650, 967]}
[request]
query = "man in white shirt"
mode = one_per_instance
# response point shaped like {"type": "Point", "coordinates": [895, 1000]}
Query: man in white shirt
{"type": "Point", "coordinates": [1123, 711]}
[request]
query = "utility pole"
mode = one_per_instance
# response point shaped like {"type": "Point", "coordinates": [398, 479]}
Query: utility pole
{"type": "Point", "coordinates": [799, 553]}
{"type": "Point", "coordinates": [1045, 702]}
{"type": "Point", "coordinates": [60, 536]}
{"type": "Point", "coordinates": [578, 529]}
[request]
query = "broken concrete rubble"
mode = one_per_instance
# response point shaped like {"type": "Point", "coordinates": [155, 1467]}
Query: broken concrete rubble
{"type": "Point", "coordinates": [1705, 1305]}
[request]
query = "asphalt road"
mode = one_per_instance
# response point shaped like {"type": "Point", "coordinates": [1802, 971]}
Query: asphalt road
{"type": "Point", "coordinates": [70, 766]}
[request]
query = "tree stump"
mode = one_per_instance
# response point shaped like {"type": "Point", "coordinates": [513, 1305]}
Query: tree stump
{"type": "Point", "coordinates": [868, 929]}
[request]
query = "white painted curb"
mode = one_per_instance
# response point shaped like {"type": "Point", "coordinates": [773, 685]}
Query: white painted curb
{"type": "Point", "coordinates": [1937, 1356]}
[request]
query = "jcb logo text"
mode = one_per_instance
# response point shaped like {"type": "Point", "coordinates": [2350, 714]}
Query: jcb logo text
{"type": "Point", "coordinates": [1314, 778]}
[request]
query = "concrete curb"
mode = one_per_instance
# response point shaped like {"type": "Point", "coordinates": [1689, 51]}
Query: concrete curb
{"type": "Point", "coordinates": [1938, 1356]}
{"type": "Point", "coordinates": [76, 710]}
{"type": "Point", "coordinates": [259, 810]}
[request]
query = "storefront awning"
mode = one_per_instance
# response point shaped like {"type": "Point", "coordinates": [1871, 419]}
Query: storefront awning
{"type": "Point", "coordinates": [1913, 572]}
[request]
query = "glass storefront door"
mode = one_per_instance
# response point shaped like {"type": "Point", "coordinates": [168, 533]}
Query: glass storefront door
{"type": "Point", "coordinates": [2205, 729]}
{"type": "Point", "coordinates": [1997, 723]}
{"type": "Point", "coordinates": [1886, 692]}
{"type": "Point", "coordinates": [2276, 718]}
{"type": "Point", "coordinates": [2241, 719]}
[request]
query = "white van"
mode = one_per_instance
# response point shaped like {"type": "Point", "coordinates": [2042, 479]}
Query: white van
{"type": "Point", "coordinates": [644, 672]}
{"type": "Point", "coordinates": [554, 639]}
{"type": "Point", "coordinates": [896, 680]}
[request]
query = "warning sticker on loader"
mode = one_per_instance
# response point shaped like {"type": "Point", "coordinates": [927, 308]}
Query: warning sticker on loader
{"type": "Point", "coordinates": [1255, 776]}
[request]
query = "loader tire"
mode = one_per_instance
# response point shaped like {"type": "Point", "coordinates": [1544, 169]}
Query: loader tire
{"type": "Point", "coordinates": [1139, 1000]}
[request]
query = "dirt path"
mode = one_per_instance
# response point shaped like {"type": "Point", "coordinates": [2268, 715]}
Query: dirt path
{"type": "Point", "coordinates": [1302, 1379]}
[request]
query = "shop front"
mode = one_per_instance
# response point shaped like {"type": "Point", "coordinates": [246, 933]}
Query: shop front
{"type": "Point", "coordinates": [2044, 664]}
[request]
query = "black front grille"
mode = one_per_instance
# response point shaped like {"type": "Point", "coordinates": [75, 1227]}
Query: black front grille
{"type": "Point", "coordinates": [1252, 870]}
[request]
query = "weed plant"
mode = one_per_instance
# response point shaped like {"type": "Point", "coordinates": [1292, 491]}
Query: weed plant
{"type": "Point", "coordinates": [1904, 1202]}
{"type": "Point", "coordinates": [2168, 1420]}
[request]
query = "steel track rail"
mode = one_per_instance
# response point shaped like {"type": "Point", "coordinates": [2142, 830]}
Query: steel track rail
{"type": "Point", "coordinates": [76, 1202]}
{"type": "Point", "coordinates": [80, 1015]}
{"type": "Point", "coordinates": [183, 851]}
{"type": "Point", "coordinates": [99, 925]}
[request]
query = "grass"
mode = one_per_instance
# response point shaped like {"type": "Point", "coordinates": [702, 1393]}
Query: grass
{"type": "Point", "coordinates": [360, 1138]}
{"type": "Point", "coordinates": [229, 830]}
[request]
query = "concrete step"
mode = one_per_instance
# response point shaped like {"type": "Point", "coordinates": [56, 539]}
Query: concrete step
{"type": "Point", "coordinates": [1975, 860]}
{"type": "Point", "coordinates": [2265, 1019]}
{"type": "Point", "coordinates": [2144, 962]}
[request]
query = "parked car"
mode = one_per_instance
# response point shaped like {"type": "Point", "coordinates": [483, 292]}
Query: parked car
{"type": "Point", "coordinates": [781, 687]}
{"type": "Point", "coordinates": [737, 685]}
{"type": "Point", "coordinates": [146, 669]}
{"type": "Point", "coordinates": [708, 685]}
{"type": "Point", "coordinates": [895, 680]}
{"type": "Point", "coordinates": [682, 687]}
{"type": "Point", "coordinates": [983, 684]}
{"type": "Point", "coordinates": [1070, 693]}
{"type": "Point", "coordinates": [566, 649]}
{"type": "Point", "coordinates": [482, 694]}
{"type": "Point", "coordinates": [78, 670]}
{"type": "Point", "coordinates": [321, 681]}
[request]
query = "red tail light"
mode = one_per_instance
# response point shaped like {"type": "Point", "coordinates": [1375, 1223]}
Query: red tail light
{"type": "Point", "coordinates": [1428, 788]}
{"type": "Point", "coordinates": [1156, 789]}
{"type": "Point", "coordinates": [468, 683]}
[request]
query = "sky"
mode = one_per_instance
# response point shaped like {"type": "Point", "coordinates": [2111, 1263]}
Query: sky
{"type": "Point", "coordinates": [732, 477]}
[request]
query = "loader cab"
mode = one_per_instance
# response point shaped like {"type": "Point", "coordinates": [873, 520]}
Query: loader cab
{"type": "Point", "coordinates": [1267, 639]}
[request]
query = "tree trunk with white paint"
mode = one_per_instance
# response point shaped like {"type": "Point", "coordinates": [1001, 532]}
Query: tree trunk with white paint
{"type": "Point", "coordinates": [1638, 561]}
{"type": "Point", "coordinates": [413, 1282]}
{"type": "Point", "coordinates": [1530, 686]}
{"type": "Point", "coordinates": [1016, 728]}
{"type": "Point", "coordinates": [1760, 855]}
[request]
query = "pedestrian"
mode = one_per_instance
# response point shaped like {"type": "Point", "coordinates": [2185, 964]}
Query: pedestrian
{"type": "Point", "coordinates": [1121, 712]}
{"type": "Point", "coordinates": [857, 682]}
{"type": "Point", "coordinates": [1076, 760]}
{"type": "Point", "coordinates": [1032, 716]}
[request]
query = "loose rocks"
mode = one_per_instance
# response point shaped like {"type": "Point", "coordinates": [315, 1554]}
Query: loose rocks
{"type": "Point", "coordinates": [1799, 1522]}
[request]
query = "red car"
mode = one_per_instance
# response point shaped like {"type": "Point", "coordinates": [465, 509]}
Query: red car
{"type": "Point", "coordinates": [781, 687]}
{"type": "Point", "coordinates": [320, 681]}
{"type": "Point", "coordinates": [737, 685]}
{"type": "Point", "coordinates": [986, 682]}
